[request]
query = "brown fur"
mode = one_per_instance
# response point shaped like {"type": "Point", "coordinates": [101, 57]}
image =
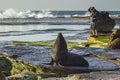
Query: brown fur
{"type": "Point", "coordinates": [59, 51]}
{"type": "Point", "coordinates": [60, 55]}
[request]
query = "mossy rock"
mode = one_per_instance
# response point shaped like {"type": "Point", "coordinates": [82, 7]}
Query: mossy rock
{"type": "Point", "coordinates": [99, 39]}
{"type": "Point", "coordinates": [19, 67]}
{"type": "Point", "coordinates": [41, 43]}
{"type": "Point", "coordinates": [114, 41]}
{"type": "Point", "coordinates": [44, 43]}
{"type": "Point", "coordinates": [23, 76]}
{"type": "Point", "coordinates": [96, 45]}
{"type": "Point", "coordinates": [114, 35]}
{"type": "Point", "coordinates": [115, 44]}
{"type": "Point", "coordinates": [10, 66]}
{"type": "Point", "coordinates": [99, 42]}
{"type": "Point", "coordinates": [117, 31]}
{"type": "Point", "coordinates": [5, 65]}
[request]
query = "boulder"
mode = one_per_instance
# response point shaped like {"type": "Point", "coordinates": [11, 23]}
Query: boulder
{"type": "Point", "coordinates": [60, 54]}
{"type": "Point", "coordinates": [114, 42]}
{"type": "Point", "coordinates": [105, 23]}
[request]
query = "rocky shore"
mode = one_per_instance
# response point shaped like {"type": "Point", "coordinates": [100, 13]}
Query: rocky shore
{"type": "Point", "coordinates": [105, 60]}
{"type": "Point", "coordinates": [23, 61]}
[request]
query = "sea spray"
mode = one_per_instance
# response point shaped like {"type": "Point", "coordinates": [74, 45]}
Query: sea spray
{"type": "Point", "coordinates": [12, 13]}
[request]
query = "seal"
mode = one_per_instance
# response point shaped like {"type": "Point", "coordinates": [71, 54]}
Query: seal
{"type": "Point", "coordinates": [61, 56]}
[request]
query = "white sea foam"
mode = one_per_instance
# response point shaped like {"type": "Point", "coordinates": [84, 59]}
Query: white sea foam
{"type": "Point", "coordinates": [87, 14]}
{"type": "Point", "coordinates": [12, 13]}
{"type": "Point", "coordinates": [44, 13]}
{"type": "Point", "coordinates": [21, 15]}
{"type": "Point", "coordinates": [84, 15]}
{"type": "Point", "coordinates": [45, 17]}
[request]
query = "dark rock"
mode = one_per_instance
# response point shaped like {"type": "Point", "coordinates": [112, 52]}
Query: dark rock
{"type": "Point", "coordinates": [60, 54]}
{"type": "Point", "coordinates": [14, 56]}
{"type": "Point", "coordinates": [2, 76]}
{"type": "Point", "coordinates": [114, 42]}
{"type": "Point", "coordinates": [5, 66]}
{"type": "Point", "coordinates": [105, 23]}
{"type": "Point", "coordinates": [103, 75]}
{"type": "Point", "coordinates": [87, 45]}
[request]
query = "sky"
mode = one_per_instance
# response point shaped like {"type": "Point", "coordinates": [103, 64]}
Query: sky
{"type": "Point", "coordinates": [59, 4]}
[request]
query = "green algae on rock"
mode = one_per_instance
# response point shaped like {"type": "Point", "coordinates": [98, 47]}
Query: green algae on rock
{"type": "Point", "coordinates": [114, 42]}
{"type": "Point", "coordinates": [23, 76]}
{"type": "Point", "coordinates": [19, 67]}
{"type": "Point", "coordinates": [99, 39]}
{"type": "Point", "coordinates": [100, 42]}
{"type": "Point", "coordinates": [10, 66]}
{"type": "Point", "coordinates": [45, 43]}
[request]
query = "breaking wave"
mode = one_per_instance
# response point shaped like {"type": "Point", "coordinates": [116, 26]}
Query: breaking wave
{"type": "Point", "coordinates": [11, 16]}
{"type": "Point", "coordinates": [11, 13]}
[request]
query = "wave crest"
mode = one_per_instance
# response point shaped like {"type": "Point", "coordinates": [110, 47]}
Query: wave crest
{"type": "Point", "coordinates": [11, 13]}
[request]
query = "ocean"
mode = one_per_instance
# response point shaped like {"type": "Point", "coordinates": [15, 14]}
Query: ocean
{"type": "Point", "coordinates": [44, 25]}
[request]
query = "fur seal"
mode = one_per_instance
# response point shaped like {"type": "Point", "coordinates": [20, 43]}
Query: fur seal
{"type": "Point", "coordinates": [61, 56]}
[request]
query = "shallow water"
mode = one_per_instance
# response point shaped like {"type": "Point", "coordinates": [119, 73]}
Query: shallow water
{"type": "Point", "coordinates": [41, 54]}
{"type": "Point", "coordinates": [43, 32]}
